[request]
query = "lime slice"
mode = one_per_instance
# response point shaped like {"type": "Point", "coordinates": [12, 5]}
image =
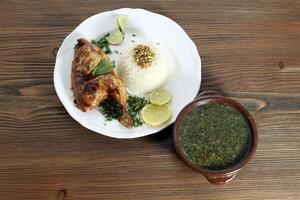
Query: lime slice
{"type": "Point", "coordinates": [115, 37]}
{"type": "Point", "coordinates": [160, 97]}
{"type": "Point", "coordinates": [122, 21]}
{"type": "Point", "coordinates": [154, 115]}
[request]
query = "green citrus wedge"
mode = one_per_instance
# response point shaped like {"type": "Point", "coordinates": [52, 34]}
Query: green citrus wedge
{"type": "Point", "coordinates": [160, 97]}
{"type": "Point", "coordinates": [154, 115]}
{"type": "Point", "coordinates": [122, 21]}
{"type": "Point", "coordinates": [115, 37]}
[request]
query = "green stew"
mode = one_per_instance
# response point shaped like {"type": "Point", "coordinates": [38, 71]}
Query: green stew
{"type": "Point", "coordinates": [214, 136]}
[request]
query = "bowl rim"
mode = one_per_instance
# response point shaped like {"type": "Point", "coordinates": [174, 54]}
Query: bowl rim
{"type": "Point", "coordinates": [223, 100]}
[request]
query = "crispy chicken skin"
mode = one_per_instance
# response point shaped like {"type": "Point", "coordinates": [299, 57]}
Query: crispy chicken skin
{"type": "Point", "coordinates": [90, 91]}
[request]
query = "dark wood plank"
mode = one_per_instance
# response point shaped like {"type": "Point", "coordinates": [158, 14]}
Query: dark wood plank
{"type": "Point", "coordinates": [250, 52]}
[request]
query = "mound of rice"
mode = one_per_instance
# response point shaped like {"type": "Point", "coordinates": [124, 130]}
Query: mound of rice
{"type": "Point", "coordinates": [141, 80]}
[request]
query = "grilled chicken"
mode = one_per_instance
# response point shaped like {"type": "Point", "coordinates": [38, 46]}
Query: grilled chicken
{"type": "Point", "coordinates": [90, 91]}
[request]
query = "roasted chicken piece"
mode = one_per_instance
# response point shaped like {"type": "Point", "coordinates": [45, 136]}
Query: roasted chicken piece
{"type": "Point", "coordinates": [90, 91]}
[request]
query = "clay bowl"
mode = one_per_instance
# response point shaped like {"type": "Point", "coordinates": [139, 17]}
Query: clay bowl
{"type": "Point", "coordinates": [217, 177]}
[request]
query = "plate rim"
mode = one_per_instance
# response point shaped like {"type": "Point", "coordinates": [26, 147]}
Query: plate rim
{"type": "Point", "coordinates": [85, 125]}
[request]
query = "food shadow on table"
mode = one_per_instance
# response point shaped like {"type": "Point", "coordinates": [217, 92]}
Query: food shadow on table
{"type": "Point", "coordinates": [165, 138]}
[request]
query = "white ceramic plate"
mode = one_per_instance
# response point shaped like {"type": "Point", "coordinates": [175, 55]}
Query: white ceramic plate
{"type": "Point", "coordinates": [181, 52]}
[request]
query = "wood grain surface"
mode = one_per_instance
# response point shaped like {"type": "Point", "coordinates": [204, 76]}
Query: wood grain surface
{"type": "Point", "coordinates": [250, 51]}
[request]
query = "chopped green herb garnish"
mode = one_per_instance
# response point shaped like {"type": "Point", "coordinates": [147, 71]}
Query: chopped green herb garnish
{"type": "Point", "coordinates": [134, 106]}
{"type": "Point", "coordinates": [133, 35]}
{"type": "Point", "coordinates": [111, 109]}
{"type": "Point", "coordinates": [116, 51]}
{"type": "Point", "coordinates": [103, 44]}
{"type": "Point", "coordinates": [103, 67]}
{"type": "Point", "coordinates": [132, 41]}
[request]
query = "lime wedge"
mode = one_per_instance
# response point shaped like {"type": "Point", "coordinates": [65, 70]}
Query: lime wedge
{"type": "Point", "coordinates": [154, 115]}
{"type": "Point", "coordinates": [115, 37]}
{"type": "Point", "coordinates": [160, 97]}
{"type": "Point", "coordinates": [122, 21]}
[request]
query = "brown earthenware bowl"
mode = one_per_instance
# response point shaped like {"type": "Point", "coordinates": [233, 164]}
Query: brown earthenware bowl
{"type": "Point", "coordinates": [217, 177]}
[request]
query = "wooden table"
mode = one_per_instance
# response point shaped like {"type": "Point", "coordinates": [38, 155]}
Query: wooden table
{"type": "Point", "coordinates": [250, 51]}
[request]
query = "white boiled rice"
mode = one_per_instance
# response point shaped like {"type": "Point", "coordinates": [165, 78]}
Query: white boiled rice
{"type": "Point", "coordinates": [138, 80]}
